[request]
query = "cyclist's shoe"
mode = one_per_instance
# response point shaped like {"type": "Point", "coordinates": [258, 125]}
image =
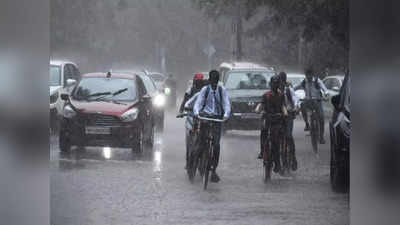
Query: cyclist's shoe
{"type": "Point", "coordinates": [322, 141]}
{"type": "Point", "coordinates": [294, 164]}
{"type": "Point", "coordinates": [307, 128]}
{"type": "Point", "coordinates": [259, 156]}
{"type": "Point", "coordinates": [214, 177]}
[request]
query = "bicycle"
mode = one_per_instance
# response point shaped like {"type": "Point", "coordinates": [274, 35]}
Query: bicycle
{"type": "Point", "coordinates": [191, 139]}
{"type": "Point", "coordinates": [272, 124]}
{"type": "Point", "coordinates": [311, 104]}
{"type": "Point", "coordinates": [207, 163]}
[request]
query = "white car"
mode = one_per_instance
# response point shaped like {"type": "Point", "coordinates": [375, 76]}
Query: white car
{"type": "Point", "coordinates": [63, 76]}
{"type": "Point", "coordinates": [295, 79]}
{"type": "Point", "coordinates": [333, 83]}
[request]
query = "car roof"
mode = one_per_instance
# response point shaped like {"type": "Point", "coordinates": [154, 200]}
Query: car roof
{"type": "Point", "coordinates": [125, 75]}
{"type": "Point", "coordinates": [339, 76]}
{"type": "Point", "coordinates": [60, 62]}
{"type": "Point", "coordinates": [244, 66]}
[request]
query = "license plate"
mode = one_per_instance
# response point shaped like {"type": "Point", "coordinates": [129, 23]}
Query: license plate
{"type": "Point", "coordinates": [251, 116]}
{"type": "Point", "coordinates": [98, 130]}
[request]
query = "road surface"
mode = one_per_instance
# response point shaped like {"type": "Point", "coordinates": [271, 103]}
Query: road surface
{"type": "Point", "coordinates": [116, 186]}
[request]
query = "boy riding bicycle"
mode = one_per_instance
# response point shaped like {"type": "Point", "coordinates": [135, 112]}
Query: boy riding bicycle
{"type": "Point", "coordinates": [213, 101]}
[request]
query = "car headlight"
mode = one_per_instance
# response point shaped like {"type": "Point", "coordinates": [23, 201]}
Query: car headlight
{"type": "Point", "coordinates": [69, 112]}
{"type": "Point", "coordinates": [130, 115]}
{"type": "Point", "coordinates": [53, 97]}
{"type": "Point", "coordinates": [159, 101]}
{"type": "Point", "coordinates": [167, 90]}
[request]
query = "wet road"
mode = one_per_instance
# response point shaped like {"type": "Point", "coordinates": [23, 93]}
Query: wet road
{"type": "Point", "coordinates": [116, 186]}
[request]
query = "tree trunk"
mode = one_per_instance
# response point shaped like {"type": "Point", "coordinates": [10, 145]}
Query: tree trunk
{"type": "Point", "coordinates": [239, 30]}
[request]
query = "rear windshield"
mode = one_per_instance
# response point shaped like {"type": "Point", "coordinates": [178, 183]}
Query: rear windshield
{"type": "Point", "coordinates": [248, 80]}
{"type": "Point", "coordinates": [113, 89]}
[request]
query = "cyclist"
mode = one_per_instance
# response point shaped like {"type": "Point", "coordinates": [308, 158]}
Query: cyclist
{"type": "Point", "coordinates": [273, 118]}
{"type": "Point", "coordinates": [188, 102]}
{"type": "Point", "coordinates": [315, 90]}
{"type": "Point", "coordinates": [213, 101]}
{"type": "Point", "coordinates": [197, 84]}
{"type": "Point", "coordinates": [291, 103]}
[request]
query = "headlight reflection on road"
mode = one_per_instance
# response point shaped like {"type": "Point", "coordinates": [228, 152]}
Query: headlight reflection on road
{"type": "Point", "coordinates": [107, 152]}
{"type": "Point", "coordinates": [157, 161]}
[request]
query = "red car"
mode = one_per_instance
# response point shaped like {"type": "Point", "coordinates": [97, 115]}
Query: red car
{"type": "Point", "coordinates": [108, 109]}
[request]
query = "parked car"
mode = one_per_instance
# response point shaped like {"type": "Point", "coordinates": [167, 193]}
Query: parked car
{"type": "Point", "coordinates": [108, 109]}
{"type": "Point", "coordinates": [165, 85]}
{"type": "Point", "coordinates": [246, 87]}
{"type": "Point", "coordinates": [340, 130]}
{"type": "Point", "coordinates": [63, 75]}
{"type": "Point", "coordinates": [333, 84]}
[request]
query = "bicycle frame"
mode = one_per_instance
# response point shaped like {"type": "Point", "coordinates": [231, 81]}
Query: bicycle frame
{"type": "Point", "coordinates": [311, 104]}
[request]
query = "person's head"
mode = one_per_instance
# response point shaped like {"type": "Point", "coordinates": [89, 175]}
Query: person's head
{"type": "Point", "coordinates": [283, 77]}
{"type": "Point", "coordinates": [309, 73]}
{"type": "Point", "coordinates": [198, 80]}
{"type": "Point", "coordinates": [214, 78]}
{"type": "Point", "coordinates": [274, 83]}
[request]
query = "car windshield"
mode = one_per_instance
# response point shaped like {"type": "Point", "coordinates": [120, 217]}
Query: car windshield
{"type": "Point", "coordinates": [55, 76]}
{"type": "Point", "coordinates": [295, 80]}
{"type": "Point", "coordinates": [113, 89]}
{"type": "Point", "coordinates": [248, 80]}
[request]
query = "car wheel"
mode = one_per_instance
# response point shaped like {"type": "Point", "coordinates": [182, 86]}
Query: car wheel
{"type": "Point", "coordinates": [161, 123]}
{"type": "Point", "coordinates": [338, 172]}
{"type": "Point", "coordinates": [138, 146]}
{"type": "Point", "coordinates": [150, 140]}
{"type": "Point", "coordinates": [64, 142]}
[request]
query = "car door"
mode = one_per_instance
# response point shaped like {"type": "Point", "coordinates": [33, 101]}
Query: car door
{"type": "Point", "coordinates": [145, 107]}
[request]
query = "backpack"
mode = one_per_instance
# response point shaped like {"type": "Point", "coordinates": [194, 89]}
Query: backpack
{"type": "Point", "coordinates": [220, 96]}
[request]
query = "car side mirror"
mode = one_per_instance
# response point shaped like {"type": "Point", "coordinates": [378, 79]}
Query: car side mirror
{"type": "Point", "coordinates": [71, 82]}
{"type": "Point", "coordinates": [335, 102]}
{"type": "Point", "coordinates": [64, 97]}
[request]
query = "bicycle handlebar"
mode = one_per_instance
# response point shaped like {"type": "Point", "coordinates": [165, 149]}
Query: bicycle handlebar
{"type": "Point", "coordinates": [181, 115]}
{"type": "Point", "coordinates": [211, 119]}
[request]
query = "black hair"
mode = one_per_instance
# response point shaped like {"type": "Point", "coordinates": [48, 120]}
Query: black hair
{"type": "Point", "coordinates": [213, 75]}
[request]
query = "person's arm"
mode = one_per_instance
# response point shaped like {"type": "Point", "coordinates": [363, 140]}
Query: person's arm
{"type": "Point", "coordinates": [199, 101]}
{"type": "Point", "coordinates": [299, 86]}
{"type": "Point", "coordinates": [226, 103]}
{"type": "Point", "coordinates": [185, 99]}
{"type": "Point", "coordinates": [323, 87]}
{"type": "Point", "coordinates": [294, 97]}
{"type": "Point", "coordinates": [191, 101]}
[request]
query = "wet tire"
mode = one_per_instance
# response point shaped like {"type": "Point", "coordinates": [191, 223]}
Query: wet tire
{"type": "Point", "coordinates": [267, 164]}
{"type": "Point", "coordinates": [64, 142]}
{"type": "Point", "coordinates": [314, 135]}
{"type": "Point", "coordinates": [138, 146]}
{"type": "Point", "coordinates": [150, 140]}
{"type": "Point", "coordinates": [207, 165]}
{"type": "Point", "coordinates": [338, 172]}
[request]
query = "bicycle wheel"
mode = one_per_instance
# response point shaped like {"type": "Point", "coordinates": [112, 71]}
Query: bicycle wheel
{"type": "Point", "coordinates": [206, 171]}
{"type": "Point", "coordinates": [267, 164]}
{"type": "Point", "coordinates": [314, 133]}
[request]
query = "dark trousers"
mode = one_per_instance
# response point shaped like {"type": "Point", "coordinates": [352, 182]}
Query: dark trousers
{"type": "Point", "coordinates": [216, 133]}
{"type": "Point", "coordinates": [318, 106]}
{"type": "Point", "coordinates": [289, 135]}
